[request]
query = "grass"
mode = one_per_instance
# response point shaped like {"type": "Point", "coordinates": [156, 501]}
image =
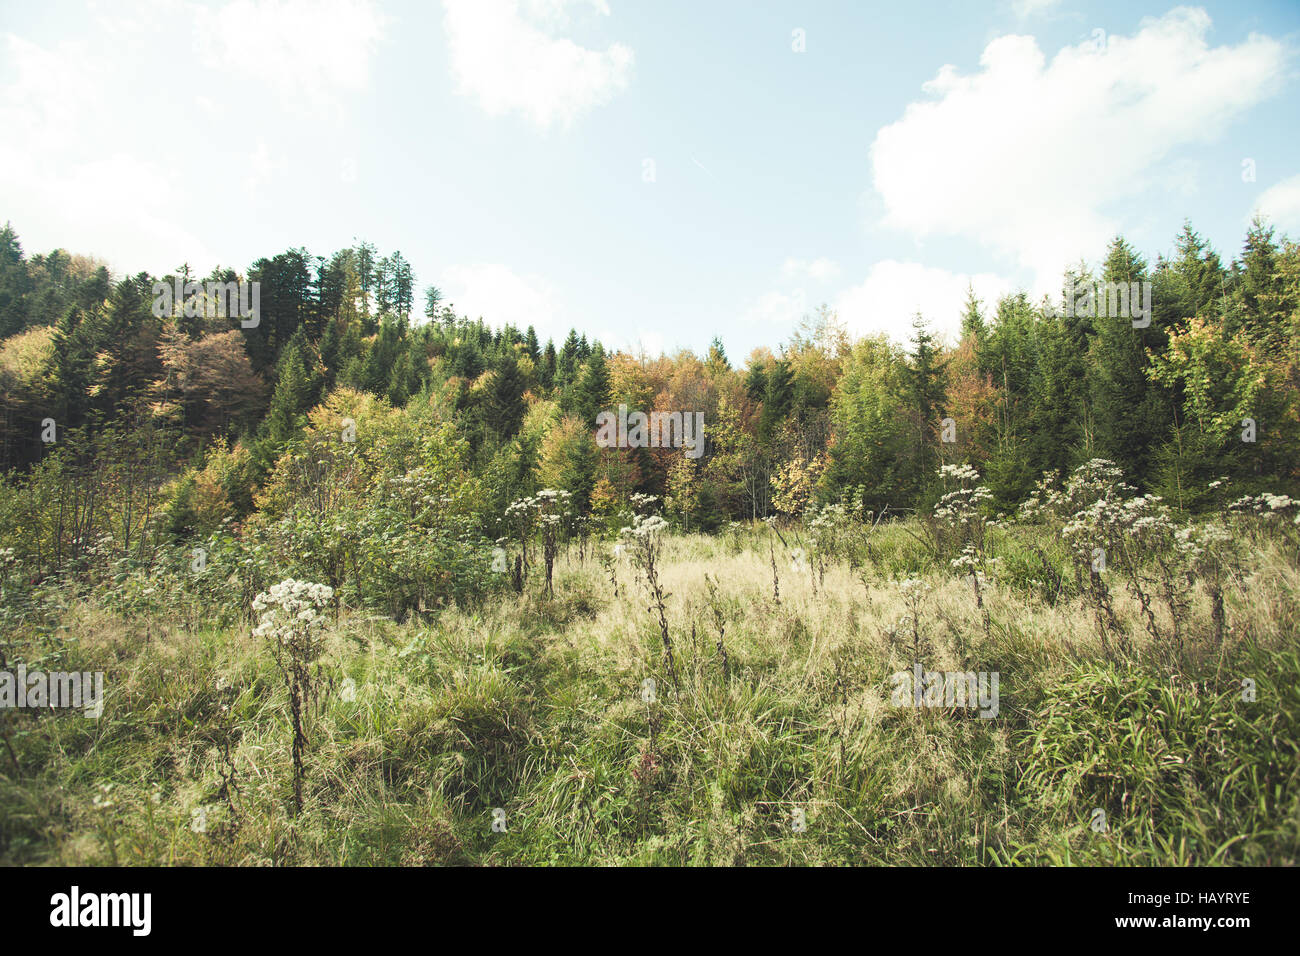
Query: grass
{"type": "Point", "coordinates": [536, 706]}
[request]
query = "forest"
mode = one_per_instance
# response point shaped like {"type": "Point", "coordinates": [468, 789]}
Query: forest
{"type": "Point", "coordinates": [209, 409]}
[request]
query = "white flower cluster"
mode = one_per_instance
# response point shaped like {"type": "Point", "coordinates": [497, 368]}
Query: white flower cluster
{"type": "Point", "coordinates": [291, 609]}
{"type": "Point", "coordinates": [968, 562]}
{"type": "Point", "coordinates": [1144, 518]}
{"type": "Point", "coordinates": [1099, 473]}
{"type": "Point", "coordinates": [913, 587]}
{"type": "Point", "coordinates": [962, 506]}
{"type": "Point", "coordinates": [644, 526]}
{"type": "Point", "coordinates": [1038, 505]}
{"type": "Point", "coordinates": [959, 473]}
{"type": "Point", "coordinates": [1151, 520]}
{"type": "Point", "coordinates": [103, 799]}
{"type": "Point", "coordinates": [642, 503]}
{"type": "Point", "coordinates": [1266, 505]}
{"type": "Point", "coordinates": [1098, 480]}
{"type": "Point", "coordinates": [828, 518]}
{"type": "Point", "coordinates": [418, 486]}
{"type": "Point", "coordinates": [546, 501]}
{"type": "Point", "coordinates": [521, 508]}
{"type": "Point", "coordinates": [1195, 543]}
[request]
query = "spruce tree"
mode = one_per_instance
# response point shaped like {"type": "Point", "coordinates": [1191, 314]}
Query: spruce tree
{"type": "Point", "coordinates": [925, 382]}
{"type": "Point", "coordinates": [1131, 414]}
{"type": "Point", "coordinates": [593, 389]}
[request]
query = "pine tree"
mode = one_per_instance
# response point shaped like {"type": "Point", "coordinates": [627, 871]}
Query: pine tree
{"type": "Point", "coordinates": [506, 403]}
{"type": "Point", "coordinates": [1259, 305]}
{"type": "Point", "coordinates": [1055, 405]}
{"type": "Point", "coordinates": [365, 256]}
{"type": "Point", "coordinates": [566, 364]}
{"type": "Point", "coordinates": [777, 396]}
{"type": "Point", "coordinates": [1200, 279]}
{"type": "Point", "coordinates": [972, 319]}
{"type": "Point", "coordinates": [871, 436]}
{"type": "Point", "coordinates": [404, 382]}
{"type": "Point", "coordinates": [289, 402]}
{"type": "Point", "coordinates": [546, 369]}
{"type": "Point", "coordinates": [15, 284]}
{"type": "Point", "coordinates": [593, 388]}
{"type": "Point", "coordinates": [77, 340]}
{"type": "Point", "coordinates": [403, 286]}
{"type": "Point", "coordinates": [717, 362]}
{"type": "Point", "coordinates": [432, 302]}
{"type": "Point", "coordinates": [128, 361]}
{"type": "Point", "coordinates": [1131, 414]}
{"type": "Point", "coordinates": [925, 381]}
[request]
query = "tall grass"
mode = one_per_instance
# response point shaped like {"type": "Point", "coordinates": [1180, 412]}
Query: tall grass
{"type": "Point", "coordinates": [532, 704]}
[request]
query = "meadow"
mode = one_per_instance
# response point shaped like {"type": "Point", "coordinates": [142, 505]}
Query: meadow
{"type": "Point", "coordinates": [685, 699]}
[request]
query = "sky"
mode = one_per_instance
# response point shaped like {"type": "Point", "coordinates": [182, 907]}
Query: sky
{"type": "Point", "coordinates": [653, 173]}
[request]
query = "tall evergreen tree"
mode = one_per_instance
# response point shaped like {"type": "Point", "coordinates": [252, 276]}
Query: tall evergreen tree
{"type": "Point", "coordinates": [566, 364]}
{"type": "Point", "coordinates": [593, 388]}
{"type": "Point", "coordinates": [925, 384]}
{"type": "Point", "coordinates": [15, 284]}
{"type": "Point", "coordinates": [289, 403]}
{"type": "Point", "coordinates": [432, 302]}
{"type": "Point", "coordinates": [1131, 414]}
{"type": "Point", "coordinates": [972, 319]}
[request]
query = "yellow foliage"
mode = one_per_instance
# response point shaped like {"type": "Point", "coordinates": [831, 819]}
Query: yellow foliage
{"type": "Point", "coordinates": [794, 483]}
{"type": "Point", "coordinates": [23, 356]}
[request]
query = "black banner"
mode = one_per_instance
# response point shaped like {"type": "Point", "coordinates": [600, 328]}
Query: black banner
{"type": "Point", "coordinates": [332, 905]}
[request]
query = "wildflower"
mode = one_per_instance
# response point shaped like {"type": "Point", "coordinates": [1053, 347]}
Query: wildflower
{"type": "Point", "coordinates": [913, 587]}
{"type": "Point", "coordinates": [644, 526]}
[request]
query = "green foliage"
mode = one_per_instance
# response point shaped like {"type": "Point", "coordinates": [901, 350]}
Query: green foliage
{"type": "Point", "coordinates": [1182, 768]}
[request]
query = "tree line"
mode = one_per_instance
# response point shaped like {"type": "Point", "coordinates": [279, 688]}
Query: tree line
{"type": "Point", "coordinates": [196, 412]}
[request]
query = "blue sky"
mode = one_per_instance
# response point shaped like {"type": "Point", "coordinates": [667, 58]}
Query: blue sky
{"type": "Point", "coordinates": [505, 146]}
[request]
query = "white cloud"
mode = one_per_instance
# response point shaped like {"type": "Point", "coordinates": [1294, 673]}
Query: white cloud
{"type": "Point", "coordinates": [1027, 156]}
{"type": "Point", "coordinates": [785, 306]}
{"type": "Point", "coordinates": [102, 153]}
{"type": "Point", "coordinates": [894, 292]}
{"type": "Point", "coordinates": [1029, 8]}
{"type": "Point", "coordinates": [501, 296]}
{"type": "Point", "coordinates": [307, 51]}
{"type": "Point", "coordinates": [777, 308]}
{"type": "Point", "coordinates": [262, 166]}
{"type": "Point", "coordinates": [508, 56]}
{"type": "Point", "coordinates": [818, 269]}
{"type": "Point", "coordinates": [1280, 203]}
{"type": "Point", "coordinates": [66, 181]}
